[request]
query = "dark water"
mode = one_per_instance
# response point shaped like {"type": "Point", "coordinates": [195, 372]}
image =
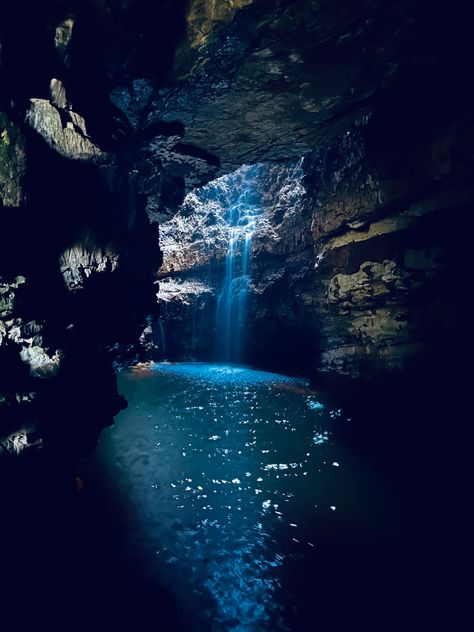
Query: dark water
{"type": "Point", "coordinates": [242, 498]}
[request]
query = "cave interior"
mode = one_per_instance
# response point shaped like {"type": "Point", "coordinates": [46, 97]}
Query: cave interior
{"type": "Point", "coordinates": [205, 202]}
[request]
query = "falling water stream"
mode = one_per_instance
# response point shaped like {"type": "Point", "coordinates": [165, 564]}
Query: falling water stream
{"type": "Point", "coordinates": [232, 300]}
{"type": "Point", "coordinates": [162, 338]}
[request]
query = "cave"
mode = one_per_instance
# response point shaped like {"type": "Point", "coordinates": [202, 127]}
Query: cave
{"type": "Point", "coordinates": [235, 314]}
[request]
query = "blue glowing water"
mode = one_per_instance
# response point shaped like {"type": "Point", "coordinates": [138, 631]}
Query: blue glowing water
{"type": "Point", "coordinates": [233, 297]}
{"type": "Point", "coordinates": [232, 477]}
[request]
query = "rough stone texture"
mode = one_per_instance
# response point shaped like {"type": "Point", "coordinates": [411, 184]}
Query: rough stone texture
{"type": "Point", "coordinates": [69, 140]}
{"type": "Point", "coordinates": [62, 37]}
{"type": "Point", "coordinates": [77, 254]}
{"type": "Point", "coordinates": [195, 243]}
{"type": "Point", "coordinates": [58, 95]}
{"type": "Point", "coordinates": [12, 162]}
{"type": "Point", "coordinates": [185, 327]}
{"type": "Point", "coordinates": [284, 76]}
{"type": "Point", "coordinates": [79, 263]}
{"type": "Point", "coordinates": [167, 168]}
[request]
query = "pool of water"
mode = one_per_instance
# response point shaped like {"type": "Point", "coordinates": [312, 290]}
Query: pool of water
{"type": "Point", "coordinates": [242, 497]}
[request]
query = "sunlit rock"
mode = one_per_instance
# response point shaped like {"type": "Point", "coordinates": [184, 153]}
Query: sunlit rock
{"type": "Point", "coordinates": [78, 263]}
{"type": "Point", "coordinates": [58, 94]}
{"type": "Point", "coordinates": [41, 364]}
{"type": "Point", "coordinates": [69, 139]}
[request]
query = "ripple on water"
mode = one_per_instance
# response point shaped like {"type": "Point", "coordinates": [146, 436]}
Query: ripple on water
{"type": "Point", "coordinates": [224, 374]}
{"type": "Point", "coordinates": [222, 494]}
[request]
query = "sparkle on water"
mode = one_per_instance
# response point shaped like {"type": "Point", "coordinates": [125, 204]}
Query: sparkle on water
{"type": "Point", "coordinates": [226, 470]}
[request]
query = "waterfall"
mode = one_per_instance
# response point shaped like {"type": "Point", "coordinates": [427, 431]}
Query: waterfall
{"type": "Point", "coordinates": [233, 297]}
{"type": "Point", "coordinates": [163, 339]}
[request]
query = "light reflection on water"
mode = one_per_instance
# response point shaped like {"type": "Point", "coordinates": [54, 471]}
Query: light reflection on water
{"type": "Point", "coordinates": [228, 472]}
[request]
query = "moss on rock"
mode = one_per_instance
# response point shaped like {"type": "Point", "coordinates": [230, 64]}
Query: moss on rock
{"type": "Point", "coordinates": [12, 162]}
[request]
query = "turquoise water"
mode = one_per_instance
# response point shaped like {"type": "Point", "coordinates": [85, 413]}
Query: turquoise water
{"type": "Point", "coordinates": [234, 482]}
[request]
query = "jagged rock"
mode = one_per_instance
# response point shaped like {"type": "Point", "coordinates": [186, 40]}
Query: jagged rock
{"type": "Point", "coordinates": [70, 140]}
{"type": "Point", "coordinates": [185, 291]}
{"type": "Point", "coordinates": [7, 295]}
{"type": "Point", "coordinates": [41, 364]}
{"type": "Point", "coordinates": [78, 263]}
{"type": "Point", "coordinates": [278, 72]}
{"type": "Point", "coordinates": [62, 37]}
{"type": "Point", "coordinates": [58, 94]}
{"type": "Point", "coordinates": [373, 283]}
{"type": "Point", "coordinates": [12, 162]}
{"type": "Point", "coordinates": [342, 267]}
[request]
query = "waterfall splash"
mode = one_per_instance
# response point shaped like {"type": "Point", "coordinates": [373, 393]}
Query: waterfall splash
{"type": "Point", "coordinates": [232, 300]}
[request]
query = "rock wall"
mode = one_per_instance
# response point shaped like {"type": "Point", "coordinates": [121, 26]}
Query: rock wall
{"type": "Point", "coordinates": [77, 252]}
{"type": "Point", "coordinates": [390, 255]}
{"type": "Point", "coordinates": [355, 266]}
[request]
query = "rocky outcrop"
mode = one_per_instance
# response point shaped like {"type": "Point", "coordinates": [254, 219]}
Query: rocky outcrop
{"type": "Point", "coordinates": [70, 141]}
{"type": "Point", "coordinates": [286, 77]}
{"type": "Point", "coordinates": [12, 162]}
{"type": "Point", "coordinates": [74, 235]}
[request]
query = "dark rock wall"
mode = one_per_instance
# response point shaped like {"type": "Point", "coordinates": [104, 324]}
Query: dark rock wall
{"type": "Point", "coordinates": [77, 252]}
{"type": "Point", "coordinates": [389, 252]}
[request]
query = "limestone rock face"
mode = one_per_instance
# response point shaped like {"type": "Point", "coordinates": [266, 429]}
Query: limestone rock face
{"type": "Point", "coordinates": [62, 37]}
{"type": "Point", "coordinates": [278, 72]}
{"type": "Point", "coordinates": [69, 140]}
{"type": "Point", "coordinates": [74, 236]}
{"type": "Point", "coordinates": [12, 162]}
{"type": "Point", "coordinates": [78, 263]}
{"type": "Point", "coordinates": [195, 244]}
{"type": "Point", "coordinates": [167, 168]}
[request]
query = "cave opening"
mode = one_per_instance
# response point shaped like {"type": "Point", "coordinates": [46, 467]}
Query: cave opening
{"type": "Point", "coordinates": [228, 254]}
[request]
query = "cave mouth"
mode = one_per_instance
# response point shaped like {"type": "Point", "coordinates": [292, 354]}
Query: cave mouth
{"type": "Point", "coordinates": [231, 281]}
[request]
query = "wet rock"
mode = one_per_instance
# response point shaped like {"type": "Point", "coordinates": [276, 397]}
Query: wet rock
{"type": "Point", "coordinates": [358, 265]}
{"type": "Point", "coordinates": [278, 72]}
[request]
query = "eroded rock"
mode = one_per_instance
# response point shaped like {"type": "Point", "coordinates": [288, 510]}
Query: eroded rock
{"type": "Point", "coordinates": [67, 139]}
{"type": "Point", "coordinates": [12, 163]}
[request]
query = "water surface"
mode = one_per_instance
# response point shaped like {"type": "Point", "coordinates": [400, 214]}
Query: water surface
{"type": "Point", "coordinates": [236, 487]}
